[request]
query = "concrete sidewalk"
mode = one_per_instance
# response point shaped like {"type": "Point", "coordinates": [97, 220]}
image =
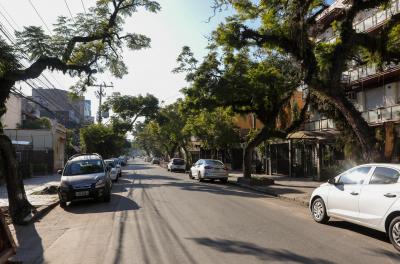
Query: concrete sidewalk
{"type": "Point", "coordinates": [32, 185]}
{"type": "Point", "coordinates": [295, 189]}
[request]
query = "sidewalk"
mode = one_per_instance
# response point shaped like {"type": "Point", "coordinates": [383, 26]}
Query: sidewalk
{"type": "Point", "coordinates": [34, 184]}
{"type": "Point", "coordinates": [295, 189]}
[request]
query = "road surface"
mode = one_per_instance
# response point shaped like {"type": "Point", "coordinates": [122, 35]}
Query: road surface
{"type": "Point", "coordinates": [160, 217]}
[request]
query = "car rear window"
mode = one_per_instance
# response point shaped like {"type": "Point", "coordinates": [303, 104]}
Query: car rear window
{"type": "Point", "coordinates": [214, 162]}
{"type": "Point", "coordinates": [83, 167]}
{"type": "Point", "coordinates": [110, 163]}
{"type": "Point", "coordinates": [178, 162]}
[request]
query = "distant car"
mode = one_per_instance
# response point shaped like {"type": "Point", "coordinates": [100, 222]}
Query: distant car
{"type": "Point", "coordinates": [85, 176]}
{"type": "Point", "coordinates": [114, 170]}
{"type": "Point", "coordinates": [124, 160]}
{"type": "Point", "coordinates": [155, 161]}
{"type": "Point", "coordinates": [367, 195]}
{"type": "Point", "coordinates": [176, 164]}
{"type": "Point", "coordinates": [209, 169]}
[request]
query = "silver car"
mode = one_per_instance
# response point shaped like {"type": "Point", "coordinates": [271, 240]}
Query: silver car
{"type": "Point", "coordinates": [85, 176]}
{"type": "Point", "coordinates": [209, 169]}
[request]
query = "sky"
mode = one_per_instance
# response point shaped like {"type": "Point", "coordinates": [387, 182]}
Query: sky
{"type": "Point", "coordinates": [179, 23]}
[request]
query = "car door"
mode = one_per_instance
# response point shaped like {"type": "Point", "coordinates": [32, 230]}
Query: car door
{"type": "Point", "coordinates": [376, 198]}
{"type": "Point", "coordinates": [344, 194]}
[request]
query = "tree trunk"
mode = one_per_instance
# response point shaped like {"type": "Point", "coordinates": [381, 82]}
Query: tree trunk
{"type": "Point", "coordinates": [248, 152]}
{"type": "Point", "coordinates": [188, 158]}
{"type": "Point", "coordinates": [19, 206]}
{"type": "Point", "coordinates": [360, 127]}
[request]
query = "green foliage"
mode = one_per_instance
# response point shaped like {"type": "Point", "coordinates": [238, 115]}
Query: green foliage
{"type": "Point", "coordinates": [215, 129]}
{"type": "Point", "coordinates": [40, 123]}
{"type": "Point", "coordinates": [95, 39]}
{"type": "Point", "coordinates": [102, 139]}
{"type": "Point", "coordinates": [127, 109]}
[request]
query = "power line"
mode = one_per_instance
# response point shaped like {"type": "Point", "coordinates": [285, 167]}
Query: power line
{"type": "Point", "coordinates": [69, 10]}
{"type": "Point", "coordinates": [18, 92]}
{"type": "Point", "coordinates": [8, 14]}
{"type": "Point", "coordinates": [83, 5]}
{"type": "Point", "coordinates": [41, 18]}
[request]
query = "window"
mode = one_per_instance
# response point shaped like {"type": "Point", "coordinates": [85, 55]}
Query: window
{"type": "Point", "coordinates": [384, 176]}
{"type": "Point", "coordinates": [84, 167]}
{"type": "Point", "coordinates": [355, 176]}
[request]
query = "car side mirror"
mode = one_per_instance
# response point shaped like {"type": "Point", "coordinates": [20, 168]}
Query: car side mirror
{"type": "Point", "coordinates": [332, 181]}
{"type": "Point", "coordinates": [59, 172]}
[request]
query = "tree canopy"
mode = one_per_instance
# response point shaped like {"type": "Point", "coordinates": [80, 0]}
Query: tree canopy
{"type": "Point", "coordinates": [293, 27]}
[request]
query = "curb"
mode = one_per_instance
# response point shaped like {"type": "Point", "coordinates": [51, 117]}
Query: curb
{"type": "Point", "coordinates": [279, 196]}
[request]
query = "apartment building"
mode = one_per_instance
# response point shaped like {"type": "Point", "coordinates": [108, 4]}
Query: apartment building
{"type": "Point", "coordinates": [374, 91]}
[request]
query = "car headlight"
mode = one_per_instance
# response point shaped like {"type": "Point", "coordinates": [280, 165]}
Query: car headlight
{"type": "Point", "coordinates": [100, 183]}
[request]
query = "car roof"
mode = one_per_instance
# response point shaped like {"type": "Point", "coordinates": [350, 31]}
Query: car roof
{"type": "Point", "coordinates": [212, 160]}
{"type": "Point", "coordinates": [86, 157]}
{"type": "Point", "coordinates": [393, 165]}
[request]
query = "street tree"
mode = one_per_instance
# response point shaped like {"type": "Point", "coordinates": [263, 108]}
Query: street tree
{"type": "Point", "coordinates": [102, 139]}
{"type": "Point", "coordinates": [81, 46]}
{"type": "Point", "coordinates": [292, 26]}
{"type": "Point", "coordinates": [215, 128]}
{"type": "Point", "coordinates": [127, 109]}
{"type": "Point", "coordinates": [247, 84]}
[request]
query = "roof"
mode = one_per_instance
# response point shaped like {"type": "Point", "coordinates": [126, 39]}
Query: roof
{"type": "Point", "coordinates": [395, 165]}
{"type": "Point", "coordinates": [319, 135]}
{"type": "Point", "coordinates": [85, 157]}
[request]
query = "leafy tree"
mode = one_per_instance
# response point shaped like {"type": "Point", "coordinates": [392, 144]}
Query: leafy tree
{"type": "Point", "coordinates": [292, 26]}
{"type": "Point", "coordinates": [80, 47]}
{"type": "Point", "coordinates": [215, 128]}
{"type": "Point", "coordinates": [127, 109]}
{"type": "Point", "coordinates": [246, 84]}
{"type": "Point", "coordinates": [40, 123]}
{"type": "Point", "coordinates": [98, 138]}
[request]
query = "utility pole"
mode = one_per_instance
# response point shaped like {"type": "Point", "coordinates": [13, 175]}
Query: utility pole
{"type": "Point", "coordinates": [100, 94]}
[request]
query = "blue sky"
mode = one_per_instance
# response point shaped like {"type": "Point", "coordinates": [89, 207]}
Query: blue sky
{"type": "Point", "coordinates": [179, 23]}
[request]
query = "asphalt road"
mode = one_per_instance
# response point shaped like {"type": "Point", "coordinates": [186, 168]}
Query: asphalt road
{"type": "Point", "coordinates": [160, 217]}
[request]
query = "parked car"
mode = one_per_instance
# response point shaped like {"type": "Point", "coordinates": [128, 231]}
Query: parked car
{"type": "Point", "coordinates": [209, 169]}
{"type": "Point", "coordinates": [176, 164]}
{"type": "Point", "coordinates": [155, 161]}
{"type": "Point", "coordinates": [85, 176]}
{"type": "Point", "coordinates": [124, 160]}
{"type": "Point", "coordinates": [114, 170]}
{"type": "Point", "coordinates": [366, 195]}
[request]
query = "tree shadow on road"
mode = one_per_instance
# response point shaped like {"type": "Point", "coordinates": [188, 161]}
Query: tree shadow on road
{"type": "Point", "coordinates": [30, 248]}
{"type": "Point", "coordinates": [118, 203]}
{"type": "Point", "coordinates": [264, 254]}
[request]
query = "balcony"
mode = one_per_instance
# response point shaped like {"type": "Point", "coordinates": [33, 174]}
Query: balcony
{"type": "Point", "coordinates": [331, 12]}
{"type": "Point", "coordinates": [375, 21]}
{"type": "Point", "coordinates": [319, 125]}
{"type": "Point", "coordinates": [382, 114]}
{"type": "Point", "coordinates": [367, 73]}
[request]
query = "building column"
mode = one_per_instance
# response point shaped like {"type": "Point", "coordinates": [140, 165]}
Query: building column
{"type": "Point", "coordinates": [319, 160]}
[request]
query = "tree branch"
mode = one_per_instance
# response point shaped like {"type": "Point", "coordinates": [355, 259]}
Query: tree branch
{"type": "Point", "coordinates": [43, 63]}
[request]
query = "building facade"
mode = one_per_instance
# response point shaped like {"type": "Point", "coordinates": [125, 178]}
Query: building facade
{"type": "Point", "coordinates": [374, 91]}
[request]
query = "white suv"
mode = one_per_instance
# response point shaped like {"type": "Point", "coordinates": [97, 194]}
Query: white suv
{"type": "Point", "coordinates": [367, 195]}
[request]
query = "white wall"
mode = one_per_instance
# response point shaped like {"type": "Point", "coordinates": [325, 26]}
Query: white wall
{"type": "Point", "coordinates": [14, 112]}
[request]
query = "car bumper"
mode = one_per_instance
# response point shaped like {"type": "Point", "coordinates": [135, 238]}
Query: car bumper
{"type": "Point", "coordinates": [211, 175]}
{"type": "Point", "coordinates": [68, 195]}
{"type": "Point", "coordinates": [178, 167]}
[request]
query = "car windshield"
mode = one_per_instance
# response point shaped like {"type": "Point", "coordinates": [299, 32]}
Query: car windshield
{"type": "Point", "coordinates": [214, 162]}
{"type": "Point", "coordinates": [83, 167]}
{"type": "Point", "coordinates": [178, 162]}
{"type": "Point", "coordinates": [110, 163]}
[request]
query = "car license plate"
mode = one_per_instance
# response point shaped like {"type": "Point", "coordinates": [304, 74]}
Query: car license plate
{"type": "Point", "coordinates": [80, 194]}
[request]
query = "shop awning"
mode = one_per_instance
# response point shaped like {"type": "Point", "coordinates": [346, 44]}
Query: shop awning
{"type": "Point", "coordinates": [315, 135]}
